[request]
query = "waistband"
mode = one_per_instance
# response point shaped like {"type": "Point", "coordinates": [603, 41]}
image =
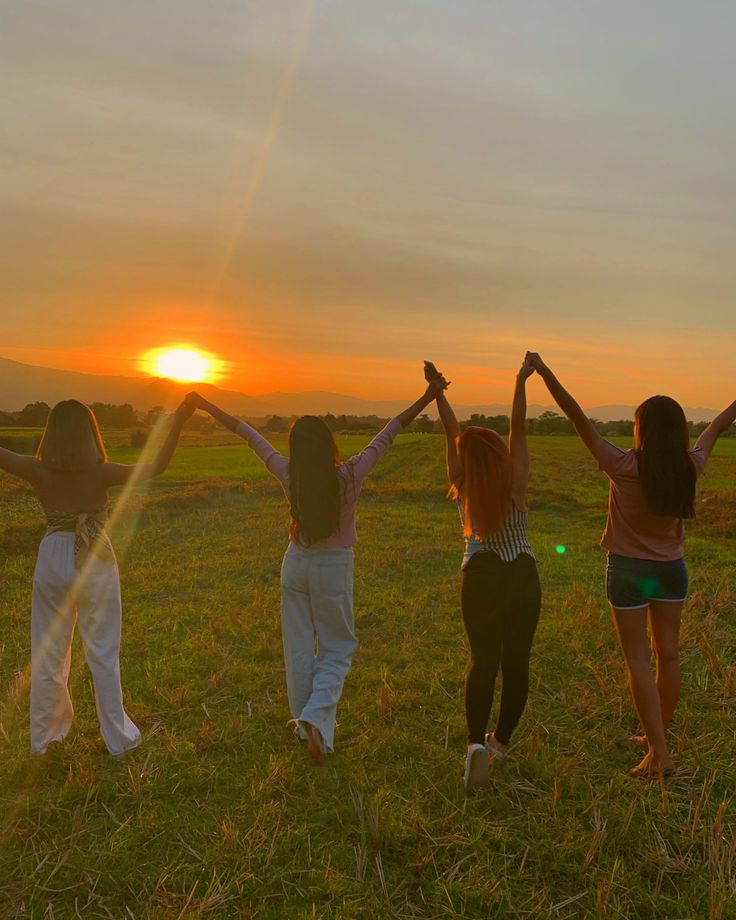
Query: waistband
{"type": "Point", "coordinates": [295, 549]}
{"type": "Point", "coordinates": [89, 532]}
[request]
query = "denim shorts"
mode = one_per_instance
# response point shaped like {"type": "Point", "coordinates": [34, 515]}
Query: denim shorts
{"type": "Point", "coordinates": [632, 583]}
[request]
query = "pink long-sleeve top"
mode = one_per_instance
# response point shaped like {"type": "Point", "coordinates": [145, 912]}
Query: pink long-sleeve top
{"type": "Point", "coordinates": [351, 474]}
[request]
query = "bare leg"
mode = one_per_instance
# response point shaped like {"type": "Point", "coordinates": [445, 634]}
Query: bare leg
{"type": "Point", "coordinates": [631, 628]}
{"type": "Point", "coordinates": [664, 622]}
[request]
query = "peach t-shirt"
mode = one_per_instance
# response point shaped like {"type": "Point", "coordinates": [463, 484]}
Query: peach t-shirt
{"type": "Point", "coordinates": [631, 529]}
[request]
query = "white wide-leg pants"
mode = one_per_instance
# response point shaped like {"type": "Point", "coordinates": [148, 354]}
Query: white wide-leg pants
{"type": "Point", "coordinates": [317, 610]}
{"type": "Point", "coordinates": [61, 596]}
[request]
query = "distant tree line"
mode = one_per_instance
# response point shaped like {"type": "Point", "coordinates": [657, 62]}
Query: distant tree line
{"type": "Point", "coordinates": [551, 422]}
{"type": "Point", "coordinates": [34, 415]}
{"type": "Point", "coordinates": [348, 424]}
{"type": "Point", "coordinates": [548, 422]}
{"type": "Point", "coordinates": [125, 416]}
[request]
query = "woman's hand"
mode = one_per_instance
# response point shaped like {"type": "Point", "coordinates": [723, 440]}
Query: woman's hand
{"type": "Point", "coordinates": [526, 369]}
{"type": "Point", "coordinates": [436, 386]}
{"type": "Point", "coordinates": [196, 401]}
{"type": "Point", "coordinates": [432, 375]}
{"type": "Point", "coordinates": [535, 359]}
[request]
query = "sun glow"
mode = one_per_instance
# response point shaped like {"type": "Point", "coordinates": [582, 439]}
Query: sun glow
{"type": "Point", "coordinates": [182, 363]}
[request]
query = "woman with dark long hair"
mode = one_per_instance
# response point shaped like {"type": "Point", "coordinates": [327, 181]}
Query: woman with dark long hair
{"type": "Point", "coordinates": [317, 571]}
{"type": "Point", "coordinates": [652, 491]}
{"type": "Point", "coordinates": [76, 577]}
{"type": "Point", "coordinates": [500, 595]}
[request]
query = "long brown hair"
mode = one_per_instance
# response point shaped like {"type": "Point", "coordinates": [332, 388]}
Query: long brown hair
{"type": "Point", "coordinates": [487, 479]}
{"type": "Point", "coordinates": [666, 470]}
{"type": "Point", "coordinates": [314, 486]}
{"type": "Point", "coordinates": [71, 441]}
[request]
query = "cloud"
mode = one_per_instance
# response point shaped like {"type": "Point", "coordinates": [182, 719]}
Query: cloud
{"type": "Point", "coordinates": [436, 167]}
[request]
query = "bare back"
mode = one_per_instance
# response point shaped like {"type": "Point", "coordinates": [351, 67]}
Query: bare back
{"type": "Point", "coordinates": [75, 493]}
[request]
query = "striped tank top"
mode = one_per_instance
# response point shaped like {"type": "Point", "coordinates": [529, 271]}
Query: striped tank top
{"type": "Point", "coordinates": [509, 542]}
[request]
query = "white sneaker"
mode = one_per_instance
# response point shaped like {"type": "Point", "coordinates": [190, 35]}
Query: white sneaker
{"type": "Point", "coordinates": [476, 768]}
{"type": "Point", "coordinates": [492, 749]}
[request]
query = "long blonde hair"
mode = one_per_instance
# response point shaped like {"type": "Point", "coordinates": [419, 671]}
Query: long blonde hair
{"type": "Point", "coordinates": [71, 441]}
{"type": "Point", "coordinates": [487, 481]}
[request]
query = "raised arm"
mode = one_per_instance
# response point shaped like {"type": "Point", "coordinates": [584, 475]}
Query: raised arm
{"type": "Point", "coordinates": [199, 402]}
{"type": "Point", "coordinates": [434, 387]}
{"type": "Point", "coordinates": [720, 423]}
{"type": "Point", "coordinates": [274, 461]}
{"type": "Point", "coordinates": [21, 465]}
{"type": "Point", "coordinates": [583, 425]}
{"type": "Point", "coordinates": [120, 473]}
{"type": "Point", "coordinates": [362, 463]}
{"type": "Point", "coordinates": [517, 431]}
{"type": "Point", "coordinates": [452, 433]}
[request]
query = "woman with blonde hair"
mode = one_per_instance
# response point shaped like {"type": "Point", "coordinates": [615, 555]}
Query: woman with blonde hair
{"type": "Point", "coordinates": [500, 595]}
{"type": "Point", "coordinates": [317, 570]}
{"type": "Point", "coordinates": [76, 576]}
{"type": "Point", "coordinates": [651, 493]}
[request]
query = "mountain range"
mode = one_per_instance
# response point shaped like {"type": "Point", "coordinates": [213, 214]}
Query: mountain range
{"type": "Point", "coordinates": [21, 384]}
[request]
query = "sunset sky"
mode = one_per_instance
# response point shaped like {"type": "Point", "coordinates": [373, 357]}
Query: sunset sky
{"type": "Point", "coordinates": [323, 194]}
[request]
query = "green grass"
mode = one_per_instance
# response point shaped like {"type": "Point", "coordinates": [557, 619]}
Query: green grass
{"type": "Point", "coordinates": [220, 814]}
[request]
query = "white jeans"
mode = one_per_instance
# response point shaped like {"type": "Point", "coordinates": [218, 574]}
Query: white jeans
{"type": "Point", "coordinates": [317, 609]}
{"type": "Point", "coordinates": [61, 594]}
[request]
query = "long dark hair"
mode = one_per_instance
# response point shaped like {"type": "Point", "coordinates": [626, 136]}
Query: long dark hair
{"type": "Point", "coordinates": [485, 490]}
{"type": "Point", "coordinates": [313, 483]}
{"type": "Point", "coordinates": [666, 469]}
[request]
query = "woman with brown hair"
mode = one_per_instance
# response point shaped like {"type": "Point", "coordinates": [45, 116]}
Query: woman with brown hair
{"type": "Point", "coordinates": [652, 490]}
{"type": "Point", "coordinates": [500, 595]}
{"type": "Point", "coordinates": [76, 576]}
{"type": "Point", "coordinates": [317, 571]}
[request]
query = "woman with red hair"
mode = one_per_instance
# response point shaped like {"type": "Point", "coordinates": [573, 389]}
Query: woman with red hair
{"type": "Point", "coordinates": [500, 594]}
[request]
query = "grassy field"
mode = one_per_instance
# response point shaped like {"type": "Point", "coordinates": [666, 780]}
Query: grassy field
{"type": "Point", "coordinates": [219, 813]}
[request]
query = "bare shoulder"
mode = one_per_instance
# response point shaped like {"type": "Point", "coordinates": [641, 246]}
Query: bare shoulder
{"type": "Point", "coordinates": [519, 496]}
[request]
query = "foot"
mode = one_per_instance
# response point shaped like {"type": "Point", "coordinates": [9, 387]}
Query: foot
{"type": "Point", "coordinates": [641, 740]}
{"type": "Point", "coordinates": [52, 751]}
{"type": "Point", "coordinates": [651, 768]}
{"type": "Point", "coordinates": [476, 768]}
{"type": "Point", "coordinates": [315, 743]}
{"type": "Point", "coordinates": [299, 733]}
{"type": "Point", "coordinates": [494, 746]}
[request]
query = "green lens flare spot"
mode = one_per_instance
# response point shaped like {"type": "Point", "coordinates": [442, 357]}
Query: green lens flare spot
{"type": "Point", "coordinates": [560, 548]}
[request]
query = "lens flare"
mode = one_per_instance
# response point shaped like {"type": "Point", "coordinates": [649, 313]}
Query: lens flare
{"type": "Point", "coordinates": [560, 548]}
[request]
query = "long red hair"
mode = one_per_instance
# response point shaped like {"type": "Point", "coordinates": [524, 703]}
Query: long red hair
{"type": "Point", "coordinates": [487, 480]}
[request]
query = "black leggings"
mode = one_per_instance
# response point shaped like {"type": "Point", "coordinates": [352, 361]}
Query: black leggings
{"type": "Point", "coordinates": [501, 603]}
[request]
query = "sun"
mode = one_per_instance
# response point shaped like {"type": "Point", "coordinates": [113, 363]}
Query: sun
{"type": "Point", "coordinates": [184, 364]}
